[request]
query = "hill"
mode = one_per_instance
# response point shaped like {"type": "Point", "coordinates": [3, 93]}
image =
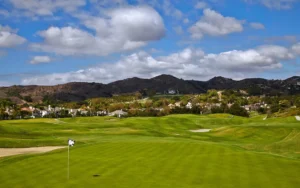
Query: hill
{"type": "Point", "coordinates": [78, 91]}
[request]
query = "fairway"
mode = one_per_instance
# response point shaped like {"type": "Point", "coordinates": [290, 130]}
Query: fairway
{"type": "Point", "coordinates": [154, 152]}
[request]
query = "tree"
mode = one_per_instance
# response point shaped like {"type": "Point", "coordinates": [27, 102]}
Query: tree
{"type": "Point", "coordinates": [274, 108]}
{"type": "Point", "coordinates": [297, 102]}
{"type": "Point", "coordinates": [27, 98]}
{"type": "Point", "coordinates": [283, 104]}
{"type": "Point", "coordinates": [235, 109]}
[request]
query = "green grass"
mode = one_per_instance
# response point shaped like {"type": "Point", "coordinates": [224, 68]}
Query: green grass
{"type": "Point", "coordinates": [154, 152]}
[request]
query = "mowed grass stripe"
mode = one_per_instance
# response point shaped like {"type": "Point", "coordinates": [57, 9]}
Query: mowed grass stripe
{"type": "Point", "coordinates": [152, 164]}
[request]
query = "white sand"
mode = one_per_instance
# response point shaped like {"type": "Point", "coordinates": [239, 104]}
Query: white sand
{"type": "Point", "coordinates": [17, 151]}
{"type": "Point", "coordinates": [201, 131]}
{"type": "Point", "coordinates": [297, 118]}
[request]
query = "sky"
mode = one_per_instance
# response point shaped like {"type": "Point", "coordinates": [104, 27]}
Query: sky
{"type": "Point", "coordinates": [49, 42]}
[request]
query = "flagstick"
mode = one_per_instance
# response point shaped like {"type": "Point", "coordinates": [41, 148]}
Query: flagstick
{"type": "Point", "coordinates": [68, 161]}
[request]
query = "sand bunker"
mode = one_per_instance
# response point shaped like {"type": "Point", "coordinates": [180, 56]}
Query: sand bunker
{"type": "Point", "coordinates": [201, 131]}
{"type": "Point", "coordinates": [297, 118]}
{"type": "Point", "coordinates": [17, 151]}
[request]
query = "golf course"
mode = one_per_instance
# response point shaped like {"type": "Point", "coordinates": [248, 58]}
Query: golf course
{"type": "Point", "coordinates": [178, 151]}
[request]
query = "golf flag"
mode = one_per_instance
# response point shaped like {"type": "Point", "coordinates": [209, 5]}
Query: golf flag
{"type": "Point", "coordinates": [71, 142]}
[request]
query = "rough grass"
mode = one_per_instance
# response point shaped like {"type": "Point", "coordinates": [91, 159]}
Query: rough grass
{"type": "Point", "coordinates": [154, 152]}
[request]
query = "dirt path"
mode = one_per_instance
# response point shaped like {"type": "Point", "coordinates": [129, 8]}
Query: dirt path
{"type": "Point", "coordinates": [17, 151]}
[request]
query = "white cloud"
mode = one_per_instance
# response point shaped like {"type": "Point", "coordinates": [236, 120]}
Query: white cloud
{"type": "Point", "coordinates": [275, 4]}
{"type": "Point", "coordinates": [188, 64]}
{"type": "Point", "coordinates": [9, 38]}
{"type": "Point", "coordinates": [214, 24]}
{"type": "Point", "coordinates": [122, 29]}
{"type": "Point", "coordinates": [186, 21]}
{"type": "Point", "coordinates": [178, 30]}
{"type": "Point", "coordinates": [40, 59]}
{"type": "Point", "coordinates": [256, 25]}
{"type": "Point", "coordinates": [201, 5]}
{"type": "Point", "coordinates": [170, 10]}
{"type": "Point", "coordinates": [46, 7]}
{"type": "Point", "coordinates": [275, 52]}
{"type": "Point", "coordinates": [296, 48]}
{"type": "Point", "coordinates": [8, 29]}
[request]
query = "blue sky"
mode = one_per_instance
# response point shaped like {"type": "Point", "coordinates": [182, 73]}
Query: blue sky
{"type": "Point", "coordinates": [47, 42]}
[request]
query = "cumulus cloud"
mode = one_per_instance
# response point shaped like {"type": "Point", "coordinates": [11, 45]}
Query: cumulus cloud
{"type": "Point", "coordinates": [296, 48]}
{"type": "Point", "coordinates": [9, 38]}
{"type": "Point", "coordinates": [214, 24]}
{"type": "Point", "coordinates": [256, 25]}
{"type": "Point", "coordinates": [189, 63]}
{"type": "Point", "coordinates": [201, 5]}
{"type": "Point", "coordinates": [40, 59]}
{"type": "Point", "coordinates": [275, 4]}
{"type": "Point", "coordinates": [122, 29]}
{"type": "Point", "coordinates": [46, 7]}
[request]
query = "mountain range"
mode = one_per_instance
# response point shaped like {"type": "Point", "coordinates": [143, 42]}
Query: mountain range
{"type": "Point", "coordinates": [78, 91]}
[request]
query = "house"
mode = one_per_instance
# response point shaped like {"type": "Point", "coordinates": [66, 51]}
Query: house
{"type": "Point", "coordinates": [84, 112]}
{"type": "Point", "coordinates": [171, 92]}
{"type": "Point", "coordinates": [44, 113]}
{"type": "Point", "coordinates": [101, 113]}
{"type": "Point", "coordinates": [216, 105]}
{"type": "Point", "coordinates": [26, 109]}
{"type": "Point", "coordinates": [73, 112]}
{"type": "Point", "coordinates": [171, 106]}
{"type": "Point", "coordinates": [229, 105]}
{"type": "Point", "coordinates": [36, 113]}
{"type": "Point", "coordinates": [49, 108]}
{"type": "Point", "coordinates": [158, 109]}
{"type": "Point", "coordinates": [57, 109]}
{"type": "Point", "coordinates": [118, 113]}
{"type": "Point", "coordinates": [189, 105]}
{"type": "Point", "coordinates": [247, 107]}
{"type": "Point", "coordinates": [8, 111]}
{"type": "Point", "coordinates": [177, 104]}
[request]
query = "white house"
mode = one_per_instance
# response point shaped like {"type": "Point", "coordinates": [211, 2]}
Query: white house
{"type": "Point", "coordinates": [44, 113]}
{"type": "Point", "coordinates": [171, 106]}
{"type": "Point", "coordinates": [103, 112]}
{"type": "Point", "coordinates": [118, 113]}
{"type": "Point", "coordinates": [189, 105]}
{"type": "Point", "coordinates": [171, 91]}
{"type": "Point", "coordinates": [177, 104]}
{"type": "Point", "coordinates": [85, 112]}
